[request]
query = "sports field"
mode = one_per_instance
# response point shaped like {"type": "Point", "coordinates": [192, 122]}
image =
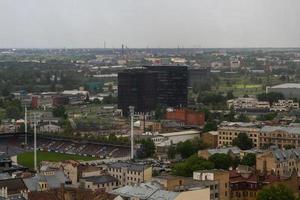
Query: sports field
{"type": "Point", "coordinates": [26, 159]}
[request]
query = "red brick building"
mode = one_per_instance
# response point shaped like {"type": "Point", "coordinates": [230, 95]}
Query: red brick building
{"type": "Point", "coordinates": [187, 116]}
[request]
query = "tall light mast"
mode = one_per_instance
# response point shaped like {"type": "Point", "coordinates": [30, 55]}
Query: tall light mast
{"type": "Point", "coordinates": [25, 123]}
{"type": "Point", "coordinates": [131, 110]}
{"type": "Point", "coordinates": [35, 156]}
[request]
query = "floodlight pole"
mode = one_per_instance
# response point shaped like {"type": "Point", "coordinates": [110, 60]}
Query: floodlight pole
{"type": "Point", "coordinates": [35, 156]}
{"type": "Point", "coordinates": [25, 123]}
{"type": "Point", "coordinates": [131, 110]}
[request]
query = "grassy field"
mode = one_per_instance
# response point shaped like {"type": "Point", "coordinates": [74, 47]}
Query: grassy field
{"type": "Point", "coordinates": [26, 159]}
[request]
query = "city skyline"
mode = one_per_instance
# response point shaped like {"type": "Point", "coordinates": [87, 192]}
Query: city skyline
{"type": "Point", "coordinates": [155, 24]}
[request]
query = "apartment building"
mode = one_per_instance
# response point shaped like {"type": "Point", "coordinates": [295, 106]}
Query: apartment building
{"type": "Point", "coordinates": [221, 177]}
{"type": "Point", "coordinates": [248, 104]}
{"type": "Point", "coordinates": [130, 173]}
{"type": "Point", "coordinates": [280, 136]}
{"type": "Point", "coordinates": [284, 106]}
{"type": "Point", "coordinates": [228, 131]}
{"type": "Point", "coordinates": [278, 161]}
{"type": "Point", "coordinates": [104, 182]}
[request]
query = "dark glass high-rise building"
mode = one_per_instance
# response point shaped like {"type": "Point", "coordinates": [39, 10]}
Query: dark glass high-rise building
{"type": "Point", "coordinates": [146, 87]}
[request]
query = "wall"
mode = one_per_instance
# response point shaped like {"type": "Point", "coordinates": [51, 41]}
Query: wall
{"type": "Point", "coordinates": [187, 116]}
{"type": "Point", "coordinates": [203, 194]}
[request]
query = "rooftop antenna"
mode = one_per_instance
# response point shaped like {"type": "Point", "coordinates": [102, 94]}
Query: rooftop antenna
{"type": "Point", "coordinates": [25, 121]}
{"type": "Point", "coordinates": [131, 110]}
{"type": "Point", "coordinates": [35, 159]}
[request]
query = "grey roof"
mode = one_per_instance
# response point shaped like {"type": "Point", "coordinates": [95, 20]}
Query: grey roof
{"type": "Point", "coordinates": [54, 181]}
{"type": "Point", "coordinates": [288, 129]}
{"type": "Point", "coordinates": [4, 176]}
{"type": "Point", "coordinates": [234, 150]}
{"type": "Point", "coordinates": [287, 85]}
{"type": "Point", "coordinates": [130, 166]}
{"type": "Point", "coordinates": [147, 191]}
{"type": "Point", "coordinates": [285, 155]}
{"type": "Point", "coordinates": [101, 179]}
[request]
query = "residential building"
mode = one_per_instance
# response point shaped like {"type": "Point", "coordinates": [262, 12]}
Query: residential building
{"type": "Point", "coordinates": [46, 180]}
{"type": "Point", "coordinates": [279, 162]}
{"type": "Point", "coordinates": [152, 191]}
{"type": "Point", "coordinates": [248, 104]}
{"type": "Point", "coordinates": [221, 177]}
{"type": "Point", "coordinates": [245, 183]}
{"type": "Point", "coordinates": [228, 131]}
{"type": "Point", "coordinates": [104, 182]}
{"type": "Point", "coordinates": [130, 173]}
{"type": "Point", "coordinates": [178, 184]}
{"type": "Point", "coordinates": [280, 136]}
{"type": "Point", "coordinates": [13, 188]}
{"type": "Point", "coordinates": [284, 106]}
{"type": "Point", "coordinates": [210, 138]}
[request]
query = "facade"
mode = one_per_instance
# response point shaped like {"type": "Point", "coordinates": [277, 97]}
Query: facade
{"type": "Point", "coordinates": [13, 188]}
{"type": "Point", "coordinates": [280, 136]}
{"type": "Point", "coordinates": [284, 106]}
{"type": "Point", "coordinates": [248, 104]}
{"type": "Point", "coordinates": [245, 184]}
{"type": "Point", "coordinates": [103, 182]}
{"type": "Point", "coordinates": [210, 138]}
{"type": "Point", "coordinates": [188, 117]}
{"type": "Point", "coordinates": [219, 176]}
{"type": "Point", "coordinates": [195, 75]}
{"type": "Point", "coordinates": [147, 87]}
{"type": "Point", "coordinates": [279, 162]}
{"type": "Point", "coordinates": [289, 90]}
{"type": "Point", "coordinates": [130, 173]}
{"type": "Point", "coordinates": [137, 87]}
{"type": "Point", "coordinates": [228, 131]}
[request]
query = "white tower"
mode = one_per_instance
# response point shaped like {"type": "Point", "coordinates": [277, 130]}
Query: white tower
{"type": "Point", "coordinates": [131, 110]}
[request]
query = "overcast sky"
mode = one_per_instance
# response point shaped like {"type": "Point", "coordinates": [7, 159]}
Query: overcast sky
{"type": "Point", "coordinates": [149, 23]}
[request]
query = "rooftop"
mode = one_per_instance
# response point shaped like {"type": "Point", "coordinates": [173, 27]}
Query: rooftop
{"type": "Point", "coordinates": [287, 85]}
{"type": "Point", "coordinates": [288, 129]}
{"type": "Point", "coordinates": [189, 132]}
{"type": "Point", "coordinates": [101, 179]}
{"type": "Point", "coordinates": [147, 191]}
{"type": "Point", "coordinates": [130, 166]}
{"type": "Point", "coordinates": [14, 185]}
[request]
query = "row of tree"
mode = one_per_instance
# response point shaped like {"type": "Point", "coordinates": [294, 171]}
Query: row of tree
{"type": "Point", "coordinates": [216, 161]}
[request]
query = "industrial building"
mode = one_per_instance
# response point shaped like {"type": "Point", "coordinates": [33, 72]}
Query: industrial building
{"type": "Point", "coordinates": [147, 87]}
{"type": "Point", "coordinates": [289, 90]}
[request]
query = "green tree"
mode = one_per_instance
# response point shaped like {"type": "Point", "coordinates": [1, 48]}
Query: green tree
{"type": "Point", "coordinates": [249, 159]}
{"type": "Point", "coordinates": [60, 111]}
{"type": "Point", "coordinates": [270, 97]}
{"type": "Point", "coordinates": [191, 164]}
{"type": "Point", "coordinates": [210, 126]}
{"type": "Point", "coordinates": [171, 152]}
{"type": "Point", "coordinates": [243, 141]}
{"type": "Point", "coordinates": [159, 113]}
{"type": "Point", "coordinates": [221, 160]}
{"type": "Point", "coordinates": [289, 146]}
{"type": "Point", "coordinates": [280, 192]}
{"type": "Point", "coordinates": [186, 149]}
{"type": "Point", "coordinates": [147, 149]}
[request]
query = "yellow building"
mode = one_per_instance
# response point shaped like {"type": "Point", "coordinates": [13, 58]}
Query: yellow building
{"type": "Point", "coordinates": [130, 173]}
{"type": "Point", "coordinates": [228, 131]}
